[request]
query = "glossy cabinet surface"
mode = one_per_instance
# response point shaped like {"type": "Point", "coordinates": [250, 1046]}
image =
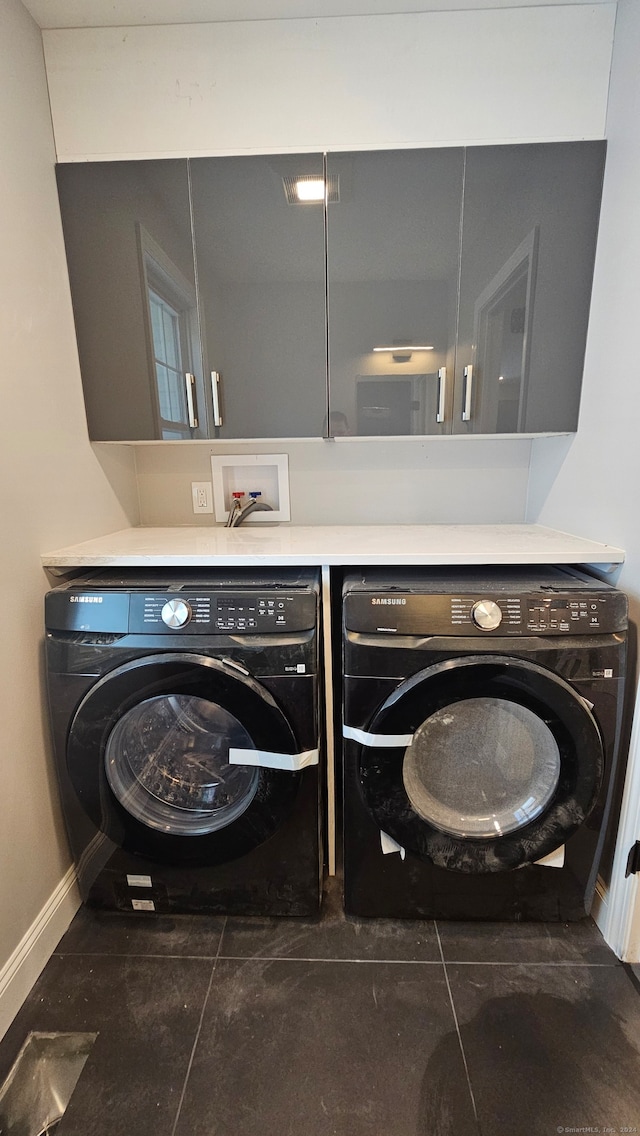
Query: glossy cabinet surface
{"type": "Point", "coordinates": [434, 291]}
{"type": "Point", "coordinates": [127, 231]}
{"type": "Point", "coordinates": [392, 281]}
{"type": "Point", "coordinates": [529, 233]}
{"type": "Point", "coordinates": [260, 270]}
{"type": "Point", "coordinates": [476, 266]}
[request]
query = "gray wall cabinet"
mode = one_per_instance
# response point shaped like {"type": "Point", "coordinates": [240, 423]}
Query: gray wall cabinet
{"type": "Point", "coordinates": [433, 291]}
{"type": "Point", "coordinates": [459, 284]}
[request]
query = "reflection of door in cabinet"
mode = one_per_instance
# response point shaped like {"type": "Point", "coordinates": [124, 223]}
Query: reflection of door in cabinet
{"type": "Point", "coordinates": [390, 405]}
{"type": "Point", "coordinates": [261, 292]}
{"type": "Point", "coordinates": [127, 232]}
{"type": "Point", "coordinates": [393, 254]}
{"type": "Point", "coordinates": [528, 248]}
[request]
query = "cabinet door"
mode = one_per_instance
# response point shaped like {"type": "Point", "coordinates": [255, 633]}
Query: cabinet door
{"type": "Point", "coordinates": [261, 293]}
{"type": "Point", "coordinates": [393, 259]}
{"type": "Point", "coordinates": [127, 231]}
{"type": "Point", "coordinates": [528, 246]}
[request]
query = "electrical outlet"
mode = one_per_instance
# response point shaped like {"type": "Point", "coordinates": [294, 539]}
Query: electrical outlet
{"type": "Point", "coordinates": [202, 497]}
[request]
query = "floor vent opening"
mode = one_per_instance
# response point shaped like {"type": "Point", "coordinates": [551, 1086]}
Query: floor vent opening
{"type": "Point", "coordinates": [35, 1095]}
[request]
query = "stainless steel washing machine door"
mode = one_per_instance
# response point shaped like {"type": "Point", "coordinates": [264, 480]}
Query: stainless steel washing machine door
{"type": "Point", "coordinates": [481, 764]}
{"type": "Point", "coordinates": [148, 754]}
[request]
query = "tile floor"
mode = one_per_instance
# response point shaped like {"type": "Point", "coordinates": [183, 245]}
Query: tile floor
{"type": "Point", "coordinates": [214, 1027]}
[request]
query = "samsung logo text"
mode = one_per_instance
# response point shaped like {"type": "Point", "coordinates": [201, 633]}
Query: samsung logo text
{"type": "Point", "coordinates": [85, 599]}
{"type": "Point", "coordinates": [392, 601]}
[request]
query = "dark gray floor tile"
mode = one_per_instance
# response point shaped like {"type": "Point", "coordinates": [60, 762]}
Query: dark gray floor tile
{"type": "Point", "coordinates": [114, 933]}
{"type": "Point", "coordinates": [146, 1014]}
{"type": "Point", "coordinates": [295, 1048]}
{"type": "Point", "coordinates": [548, 1048]}
{"type": "Point", "coordinates": [525, 942]}
{"type": "Point", "coordinates": [331, 937]}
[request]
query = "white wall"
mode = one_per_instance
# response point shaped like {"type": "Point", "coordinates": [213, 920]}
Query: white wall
{"type": "Point", "coordinates": [427, 78]}
{"type": "Point", "coordinates": [432, 481]}
{"type": "Point", "coordinates": [591, 484]}
{"type": "Point", "coordinates": [53, 489]}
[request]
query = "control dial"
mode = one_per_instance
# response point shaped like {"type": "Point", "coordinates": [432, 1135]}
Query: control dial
{"type": "Point", "coordinates": [176, 613]}
{"type": "Point", "coordinates": [486, 615]}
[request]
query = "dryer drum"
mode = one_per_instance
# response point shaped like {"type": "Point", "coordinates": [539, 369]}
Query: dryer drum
{"type": "Point", "coordinates": [147, 753]}
{"type": "Point", "coordinates": [506, 762]}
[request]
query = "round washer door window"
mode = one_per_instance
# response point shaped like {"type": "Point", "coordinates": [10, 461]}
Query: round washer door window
{"type": "Point", "coordinates": [166, 761]}
{"type": "Point", "coordinates": [148, 758]}
{"type": "Point", "coordinates": [502, 762]}
{"type": "Point", "coordinates": [481, 767]}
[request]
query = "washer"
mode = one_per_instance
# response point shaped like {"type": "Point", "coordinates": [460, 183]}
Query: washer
{"type": "Point", "coordinates": [185, 721]}
{"type": "Point", "coordinates": [482, 712]}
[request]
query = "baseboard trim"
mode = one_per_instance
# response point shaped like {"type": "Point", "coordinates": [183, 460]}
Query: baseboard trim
{"type": "Point", "coordinates": [34, 950]}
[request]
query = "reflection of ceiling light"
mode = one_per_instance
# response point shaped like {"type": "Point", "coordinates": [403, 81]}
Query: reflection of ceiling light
{"type": "Point", "coordinates": [402, 352]}
{"type": "Point", "coordinates": [400, 348]}
{"type": "Point", "coordinates": [309, 189]}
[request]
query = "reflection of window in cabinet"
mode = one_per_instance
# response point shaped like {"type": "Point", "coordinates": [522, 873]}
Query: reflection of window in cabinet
{"type": "Point", "coordinates": [173, 343]}
{"type": "Point", "coordinates": [106, 208]}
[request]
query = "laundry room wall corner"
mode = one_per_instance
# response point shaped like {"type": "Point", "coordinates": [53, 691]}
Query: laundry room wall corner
{"type": "Point", "coordinates": [53, 490]}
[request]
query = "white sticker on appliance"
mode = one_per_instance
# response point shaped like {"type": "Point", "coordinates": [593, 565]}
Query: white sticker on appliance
{"type": "Point", "coordinates": [290, 762]}
{"type": "Point", "coordinates": [139, 881]}
{"type": "Point", "coordinates": [376, 741]}
{"type": "Point", "coordinates": [388, 845]}
{"type": "Point", "coordinates": [555, 859]}
{"type": "Point", "coordinates": [143, 905]}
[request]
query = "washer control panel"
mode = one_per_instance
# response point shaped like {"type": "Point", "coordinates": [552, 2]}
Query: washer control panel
{"type": "Point", "coordinates": [187, 611]}
{"type": "Point", "coordinates": [231, 613]}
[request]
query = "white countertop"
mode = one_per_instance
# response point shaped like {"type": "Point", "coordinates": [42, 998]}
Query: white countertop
{"type": "Point", "coordinates": [333, 545]}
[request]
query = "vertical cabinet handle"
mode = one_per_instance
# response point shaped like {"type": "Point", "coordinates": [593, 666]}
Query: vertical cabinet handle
{"type": "Point", "coordinates": [215, 392]}
{"type": "Point", "coordinates": [466, 402]}
{"type": "Point", "coordinates": [190, 383]}
{"type": "Point", "coordinates": [442, 393]}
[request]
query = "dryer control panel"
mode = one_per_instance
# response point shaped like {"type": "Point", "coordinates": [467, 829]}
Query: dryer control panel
{"type": "Point", "coordinates": [549, 615]}
{"type": "Point", "coordinates": [599, 611]}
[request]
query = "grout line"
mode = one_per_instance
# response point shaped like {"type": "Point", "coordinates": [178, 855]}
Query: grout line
{"type": "Point", "coordinates": [532, 962]}
{"type": "Point", "coordinates": [299, 958]}
{"type": "Point", "coordinates": [131, 954]}
{"type": "Point", "coordinates": [455, 1018]}
{"type": "Point", "coordinates": [303, 958]}
{"type": "Point", "coordinates": [198, 1031]}
{"type": "Point", "coordinates": [410, 962]}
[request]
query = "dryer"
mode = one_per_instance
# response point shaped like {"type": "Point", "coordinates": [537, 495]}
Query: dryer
{"type": "Point", "coordinates": [482, 712]}
{"type": "Point", "coordinates": [185, 720]}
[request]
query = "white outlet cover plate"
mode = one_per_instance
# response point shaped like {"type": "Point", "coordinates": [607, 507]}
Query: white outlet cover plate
{"type": "Point", "coordinates": [198, 489]}
{"type": "Point", "coordinates": [223, 472]}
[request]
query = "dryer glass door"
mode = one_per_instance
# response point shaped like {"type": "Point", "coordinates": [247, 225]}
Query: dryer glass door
{"type": "Point", "coordinates": [481, 767]}
{"type": "Point", "coordinates": [491, 763]}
